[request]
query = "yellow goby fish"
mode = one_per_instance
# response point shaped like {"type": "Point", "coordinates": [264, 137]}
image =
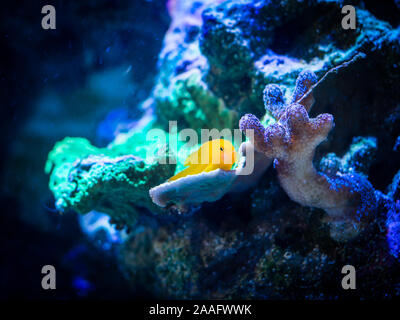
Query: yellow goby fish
{"type": "Point", "coordinates": [212, 155]}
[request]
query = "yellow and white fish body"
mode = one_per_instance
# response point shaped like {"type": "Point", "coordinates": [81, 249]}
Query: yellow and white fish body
{"type": "Point", "coordinates": [212, 155]}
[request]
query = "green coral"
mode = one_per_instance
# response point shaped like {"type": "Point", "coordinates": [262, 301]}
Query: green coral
{"type": "Point", "coordinates": [188, 101]}
{"type": "Point", "coordinates": [114, 180]}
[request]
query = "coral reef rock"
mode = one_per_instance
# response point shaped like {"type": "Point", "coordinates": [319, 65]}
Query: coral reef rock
{"type": "Point", "coordinates": [349, 199]}
{"type": "Point", "coordinates": [216, 61]}
{"type": "Point", "coordinates": [85, 178]}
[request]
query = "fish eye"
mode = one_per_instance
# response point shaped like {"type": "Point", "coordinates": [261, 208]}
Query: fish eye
{"type": "Point", "coordinates": [222, 149]}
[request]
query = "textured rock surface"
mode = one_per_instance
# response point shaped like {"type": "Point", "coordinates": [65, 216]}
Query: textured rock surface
{"type": "Point", "coordinates": [359, 158]}
{"type": "Point", "coordinates": [240, 46]}
{"type": "Point", "coordinates": [262, 245]}
{"type": "Point", "coordinates": [216, 61]}
{"type": "Point", "coordinates": [85, 178]}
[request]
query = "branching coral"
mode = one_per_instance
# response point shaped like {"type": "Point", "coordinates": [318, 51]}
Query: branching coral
{"type": "Point", "coordinates": [348, 199]}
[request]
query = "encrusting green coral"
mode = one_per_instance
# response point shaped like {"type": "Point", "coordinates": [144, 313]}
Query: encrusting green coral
{"type": "Point", "coordinates": [189, 101]}
{"type": "Point", "coordinates": [113, 180]}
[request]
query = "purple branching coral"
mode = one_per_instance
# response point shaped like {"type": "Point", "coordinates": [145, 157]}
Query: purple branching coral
{"type": "Point", "coordinates": [348, 199]}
